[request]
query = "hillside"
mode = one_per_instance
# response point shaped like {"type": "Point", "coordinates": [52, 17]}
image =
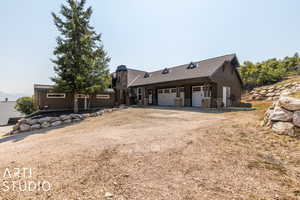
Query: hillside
{"type": "Point", "coordinates": [290, 85]}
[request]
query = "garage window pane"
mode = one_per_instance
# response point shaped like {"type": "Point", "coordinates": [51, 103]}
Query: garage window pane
{"type": "Point", "coordinates": [167, 91]}
{"type": "Point", "coordinates": [173, 90]}
{"type": "Point", "coordinates": [160, 91]}
{"type": "Point", "coordinates": [196, 89]}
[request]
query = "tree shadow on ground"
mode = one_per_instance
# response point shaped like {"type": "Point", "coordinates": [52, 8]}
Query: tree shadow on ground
{"type": "Point", "coordinates": [195, 109]}
{"type": "Point", "coordinates": [22, 136]}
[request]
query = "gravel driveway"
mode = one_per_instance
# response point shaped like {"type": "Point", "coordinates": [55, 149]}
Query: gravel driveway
{"type": "Point", "coordinates": [154, 153]}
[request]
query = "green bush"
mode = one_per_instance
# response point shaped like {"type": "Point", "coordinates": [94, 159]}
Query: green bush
{"type": "Point", "coordinates": [25, 105]}
{"type": "Point", "coordinates": [269, 71]}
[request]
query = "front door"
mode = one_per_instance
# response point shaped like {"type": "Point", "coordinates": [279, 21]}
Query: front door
{"type": "Point", "coordinates": [226, 96]}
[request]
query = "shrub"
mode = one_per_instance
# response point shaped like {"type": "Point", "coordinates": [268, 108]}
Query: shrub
{"type": "Point", "coordinates": [25, 105]}
{"type": "Point", "coordinates": [269, 71]}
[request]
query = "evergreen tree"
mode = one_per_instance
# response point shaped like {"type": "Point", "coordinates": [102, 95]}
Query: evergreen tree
{"type": "Point", "coordinates": [81, 64]}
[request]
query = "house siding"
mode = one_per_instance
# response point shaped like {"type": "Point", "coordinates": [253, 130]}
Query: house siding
{"type": "Point", "coordinates": [228, 78]}
{"type": "Point", "coordinates": [67, 103]}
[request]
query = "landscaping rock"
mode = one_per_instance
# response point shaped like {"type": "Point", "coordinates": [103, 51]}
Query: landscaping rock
{"type": "Point", "coordinates": [95, 114]}
{"type": "Point", "coordinates": [86, 115]}
{"type": "Point", "coordinates": [68, 121]}
{"type": "Point", "coordinates": [45, 119]}
{"type": "Point", "coordinates": [296, 118]}
{"type": "Point", "coordinates": [25, 127]}
{"type": "Point", "coordinates": [108, 195]}
{"type": "Point", "coordinates": [35, 126]}
{"type": "Point", "coordinates": [16, 127]}
{"type": "Point", "coordinates": [283, 128]}
{"type": "Point", "coordinates": [33, 121]}
{"type": "Point", "coordinates": [65, 117]}
{"type": "Point", "coordinates": [45, 125]}
{"type": "Point", "coordinates": [57, 123]}
{"type": "Point", "coordinates": [280, 114]}
{"type": "Point", "coordinates": [290, 103]}
{"type": "Point", "coordinates": [77, 120]}
{"type": "Point", "coordinates": [54, 119]}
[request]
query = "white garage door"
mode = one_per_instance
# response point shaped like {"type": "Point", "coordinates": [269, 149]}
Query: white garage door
{"type": "Point", "coordinates": [166, 97]}
{"type": "Point", "coordinates": [197, 96]}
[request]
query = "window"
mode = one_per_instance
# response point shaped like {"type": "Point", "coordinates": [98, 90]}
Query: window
{"type": "Point", "coordinates": [165, 71]}
{"type": "Point", "coordinates": [81, 96]}
{"type": "Point", "coordinates": [173, 90]}
{"type": "Point", "coordinates": [139, 94]}
{"type": "Point", "coordinates": [166, 91]}
{"type": "Point", "coordinates": [146, 75]}
{"type": "Point", "coordinates": [197, 89]}
{"type": "Point", "coordinates": [192, 65]}
{"type": "Point", "coordinates": [181, 89]}
{"type": "Point", "coordinates": [160, 91]}
{"type": "Point", "coordinates": [102, 96]}
{"type": "Point", "coordinates": [56, 95]}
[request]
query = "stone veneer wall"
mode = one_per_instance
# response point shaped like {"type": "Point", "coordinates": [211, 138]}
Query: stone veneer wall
{"type": "Point", "coordinates": [272, 93]}
{"type": "Point", "coordinates": [284, 116]}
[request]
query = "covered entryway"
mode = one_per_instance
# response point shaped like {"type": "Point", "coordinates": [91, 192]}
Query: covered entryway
{"type": "Point", "coordinates": [197, 96]}
{"type": "Point", "coordinates": [167, 96]}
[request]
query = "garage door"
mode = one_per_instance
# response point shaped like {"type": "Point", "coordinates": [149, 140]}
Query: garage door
{"type": "Point", "coordinates": [166, 97]}
{"type": "Point", "coordinates": [197, 96]}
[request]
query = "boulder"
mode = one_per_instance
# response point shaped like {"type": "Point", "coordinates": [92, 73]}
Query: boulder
{"type": "Point", "coordinates": [296, 118]}
{"type": "Point", "coordinates": [74, 116]}
{"type": "Point", "coordinates": [45, 119]}
{"type": "Point", "coordinates": [77, 120]}
{"type": "Point", "coordinates": [56, 123]}
{"type": "Point", "coordinates": [86, 115]}
{"type": "Point", "coordinates": [16, 127]}
{"type": "Point", "coordinates": [283, 128]}
{"type": "Point", "coordinates": [270, 95]}
{"type": "Point", "coordinates": [14, 132]}
{"type": "Point", "coordinates": [22, 120]}
{"type": "Point", "coordinates": [45, 125]}
{"type": "Point", "coordinates": [35, 126]}
{"type": "Point", "coordinates": [289, 103]}
{"type": "Point", "coordinates": [54, 119]}
{"type": "Point", "coordinates": [33, 121]}
{"type": "Point", "coordinates": [68, 121]}
{"type": "Point", "coordinates": [25, 127]}
{"type": "Point", "coordinates": [280, 114]}
{"type": "Point", "coordinates": [95, 114]}
{"type": "Point", "coordinates": [101, 112]}
{"type": "Point", "coordinates": [65, 117]}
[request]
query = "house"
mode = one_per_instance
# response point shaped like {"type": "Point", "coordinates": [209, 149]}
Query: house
{"type": "Point", "coordinates": [47, 98]}
{"type": "Point", "coordinates": [207, 83]}
{"type": "Point", "coordinates": [213, 82]}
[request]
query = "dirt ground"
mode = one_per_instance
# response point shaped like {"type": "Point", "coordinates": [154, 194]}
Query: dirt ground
{"type": "Point", "coordinates": [155, 154]}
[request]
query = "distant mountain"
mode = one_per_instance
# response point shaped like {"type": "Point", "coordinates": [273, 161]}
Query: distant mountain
{"type": "Point", "coordinates": [11, 96]}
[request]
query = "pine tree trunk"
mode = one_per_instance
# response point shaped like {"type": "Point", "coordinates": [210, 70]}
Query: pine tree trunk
{"type": "Point", "coordinates": [75, 104]}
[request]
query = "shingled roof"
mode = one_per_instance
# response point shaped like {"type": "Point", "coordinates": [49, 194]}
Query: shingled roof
{"type": "Point", "coordinates": [204, 68]}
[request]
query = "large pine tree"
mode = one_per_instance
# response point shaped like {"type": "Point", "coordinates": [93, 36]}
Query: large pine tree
{"type": "Point", "coordinates": [81, 64]}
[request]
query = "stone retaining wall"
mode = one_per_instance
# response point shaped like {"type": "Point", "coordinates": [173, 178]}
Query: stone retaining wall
{"type": "Point", "coordinates": [28, 124]}
{"type": "Point", "coordinates": [284, 116]}
{"type": "Point", "coordinates": [272, 93]}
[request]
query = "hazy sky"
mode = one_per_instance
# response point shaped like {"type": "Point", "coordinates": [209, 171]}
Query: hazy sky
{"type": "Point", "coordinates": [148, 34]}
